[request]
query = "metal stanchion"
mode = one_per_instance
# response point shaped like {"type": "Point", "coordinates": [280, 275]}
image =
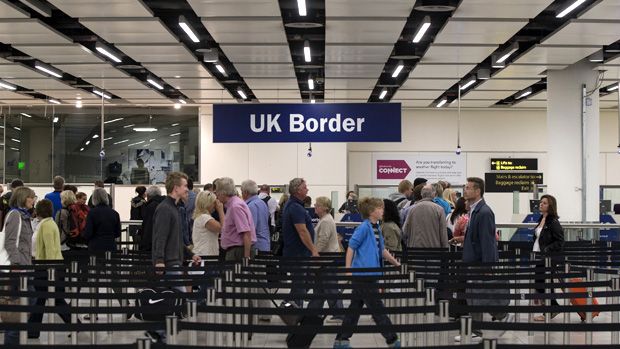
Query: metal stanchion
{"type": "Point", "coordinates": [192, 316]}
{"type": "Point", "coordinates": [171, 329]}
{"type": "Point", "coordinates": [219, 317]}
{"type": "Point", "coordinates": [518, 281]}
{"type": "Point", "coordinates": [93, 302]}
{"type": "Point", "coordinates": [566, 315]}
{"type": "Point", "coordinates": [143, 343]}
{"type": "Point", "coordinates": [210, 316]}
{"type": "Point", "coordinates": [409, 317]}
{"type": "Point", "coordinates": [444, 317]}
{"type": "Point", "coordinates": [430, 317]}
{"type": "Point", "coordinates": [229, 336]}
{"type": "Point", "coordinates": [489, 343]}
{"type": "Point", "coordinates": [530, 316]}
{"type": "Point", "coordinates": [23, 301]}
{"type": "Point", "coordinates": [74, 302]}
{"type": "Point", "coordinates": [51, 276]}
{"type": "Point", "coordinates": [108, 290]}
{"type": "Point", "coordinates": [419, 318]}
{"type": "Point", "coordinates": [547, 300]}
{"type": "Point", "coordinates": [589, 278]}
{"type": "Point", "coordinates": [466, 329]}
{"type": "Point", "coordinates": [615, 315]}
{"type": "Point", "coordinates": [237, 304]}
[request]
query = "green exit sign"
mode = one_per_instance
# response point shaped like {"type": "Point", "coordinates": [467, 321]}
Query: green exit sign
{"type": "Point", "coordinates": [21, 165]}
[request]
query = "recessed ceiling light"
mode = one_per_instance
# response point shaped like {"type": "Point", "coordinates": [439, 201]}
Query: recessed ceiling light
{"type": "Point", "coordinates": [241, 93]}
{"type": "Point", "coordinates": [175, 134]}
{"type": "Point", "coordinates": [175, 124]}
{"type": "Point", "coordinates": [221, 69]}
{"type": "Point", "coordinates": [144, 129]}
{"type": "Point", "coordinates": [311, 83]}
{"type": "Point", "coordinates": [525, 93]}
{"type": "Point", "coordinates": [95, 136]}
{"type": "Point", "coordinates": [383, 93]}
{"type": "Point", "coordinates": [570, 8]}
{"type": "Point", "coordinates": [183, 23]}
{"type": "Point", "coordinates": [102, 94]}
{"type": "Point", "coordinates": [8, 86]}
{"type": "Point", "coordinates": [155, 83]}
{"type": "Point", "coordinates": [54, 101]}
{"type": "Point", "coordinates": [177, 105]}
{"type": "Point", "coordinates": [113, 120]}
{"type": "Point", "coordinates": [26, 115]}
{"type": "Point", "coordinates": [301, 6]}
{"type": "Point", "coordinates": [128, 126]}
{"type": "Point", "coordinates": [307, 54]}
{"type": "Point", "coordinates": [613, 87]}
{"type": "Point", "coordinates": [123, 141]}
{"type": "Point", "coordinates": [55, 119]}
{"type": "Point", "coordinates": [107, 52]}
{"type": "Point", "coordinates": [468, 83]}
{"type": "Point", "coordinates": [47, 69]}
{"type": "Point", "coordinates": [441, 103]}
{"type": "Point", "coordinates": [426, 23]}
{"type": "Point", "coordinates": [398, 69]}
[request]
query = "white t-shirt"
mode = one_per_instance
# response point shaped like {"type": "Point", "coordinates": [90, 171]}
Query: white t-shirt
{"type": "Point", "coordinates": [205, 241]}
{"type": "Point", "coordinates": [536, 247]}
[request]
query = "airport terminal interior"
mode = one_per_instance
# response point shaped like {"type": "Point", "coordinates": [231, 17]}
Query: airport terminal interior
{"type": "Point", "coordinates": [310, 173]}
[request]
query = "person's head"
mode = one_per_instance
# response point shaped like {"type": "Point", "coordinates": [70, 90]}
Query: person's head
{"type": "Point", "coordinates": [141, 190]}
{"type": "Point", "coordinates": [428, 191]}
{"type": "Point", "coordinates": [73, 188]}
{"type": "Point", "coordinates": [265, 189]}
{"type": "Point", "coordinates": [308, 202]}
{"type": "Point", "coordinates": [249, 188]}
{"type": "Point", "coordinates": [474, 189]}
{"type": "Point", "coordinates": [140, 163]}
{"type": "Point", "coordinates": [23, 197]}
{"type": "Point", "coordinates": [448, 195]}
{"type": "Point", "coordinates": [283, 200]}
{"type": "Point", "coordinates": [417, 192]}
{"type": "Point", "coordinates": [205, 203]}
{"type": "Point", "coordinates": [176, 186]}
{"type": "Point", "coordinates": [67, 198]}
{"type": "Point", "coordinates": [352, 197]}
{"type": "Point", "coordinates": [98, 184]}
{"type": "Point", "coordinates": [190, 184]}
{"type": "Point", "coordinates": [208, 187]}
{"type": "Point", "coordinates": [419, 181]}
{"type": "Point", "coordinates": [100, 197]}
{"type": "Point", "coordinates": [444, 184]}
{"type": "Point", "coordinates": [371, 208]}
{"type": "Point", "coordinates": [225, 189]}
{"type": "Point", "coordinates": [298, 188]}
{"type": "Point", "coordinates": [81, 198]}
{"type": "Point", "coordinates": [405, 187]}
{"type": "Point", "coordinates": [549, 206]}
{"type": "Point", "coordinates": [215, 184]}
{"type": "Point", "coordinates": [44, 209]}
{"type": "Point", "coordinates": [349, 194]}
{"type": "Point", "coordinates": [16, 183]}
{"type": "Point", "coordinates": [152, 192]}
{"type": "Point", "coordinates": [390, 212]}
{"type": "Point", "coordinates": [322, 206]}
{"type": "Point", "coordinates": [460, 208]}
{"type": "Point", "coordinates": [58, 183]}
{"type": "Point", "coordinates": [438, 190]}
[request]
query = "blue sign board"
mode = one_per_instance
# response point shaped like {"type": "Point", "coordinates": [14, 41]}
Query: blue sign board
{"type": "Point", "coordinates": [275, 123]}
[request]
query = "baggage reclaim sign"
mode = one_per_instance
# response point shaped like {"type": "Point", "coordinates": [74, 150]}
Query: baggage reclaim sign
{"type": "Point", "coordinates": [509, 164]}
{"type": "Point", "coordinates": [275, 123]}
{"type": "Point", "coordinates": [507, 182]}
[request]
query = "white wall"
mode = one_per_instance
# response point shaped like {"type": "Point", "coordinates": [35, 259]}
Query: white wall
{"type": "Point", "coordinates": [273, 163]}
{"type": "Point", "coordinates": [484, 134]}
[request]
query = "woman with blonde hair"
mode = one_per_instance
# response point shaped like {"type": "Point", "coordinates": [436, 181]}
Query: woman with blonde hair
{"type": "Point", "coordinates": [67, 198]}
{"type": "Point", "coordinates": [450, 196]}
{"type": "Point", "coordinates": [206, 229]}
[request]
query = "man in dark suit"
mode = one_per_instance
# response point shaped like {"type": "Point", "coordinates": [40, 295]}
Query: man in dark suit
{"type": "Point", "coordinates": [480, 243]}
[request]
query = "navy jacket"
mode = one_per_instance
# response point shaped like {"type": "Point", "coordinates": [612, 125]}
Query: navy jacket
{"type": "Point", "coordinates": [103, 226]}
{"type": "Point", "coordinates": [480, 244]}
{"type": "Point", "coordinates": [551, 237]}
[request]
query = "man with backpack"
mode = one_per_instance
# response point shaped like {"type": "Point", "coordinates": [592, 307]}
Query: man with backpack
{"type": "Point", "coordinates": [71, 220]}
{"type": "Point", "coordinates": [54, 197]}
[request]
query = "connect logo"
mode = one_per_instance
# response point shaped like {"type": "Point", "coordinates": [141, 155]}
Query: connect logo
{"type": "Point", "coordinates": [392, 169]}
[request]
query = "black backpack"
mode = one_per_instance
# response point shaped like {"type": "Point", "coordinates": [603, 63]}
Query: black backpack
{"type": "Point", "coordinates": [154, 300]}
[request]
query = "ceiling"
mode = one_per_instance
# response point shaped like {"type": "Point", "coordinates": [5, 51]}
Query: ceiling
{"type": "Point", "coordinates": [355, 46]}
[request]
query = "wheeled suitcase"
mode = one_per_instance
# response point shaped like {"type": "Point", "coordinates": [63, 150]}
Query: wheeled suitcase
{"type": "Point", "coordinates": [304, 340]}
{"type": "Point", "coordinates": [581, 301]}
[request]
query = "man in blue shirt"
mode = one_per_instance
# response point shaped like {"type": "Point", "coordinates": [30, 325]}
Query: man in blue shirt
{"type": "Point", "coordinates": [54, 196]}
{"type": "Point", "coordinates": [260, 214]}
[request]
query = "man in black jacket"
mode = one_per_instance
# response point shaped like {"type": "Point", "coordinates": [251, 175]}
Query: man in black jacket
{"type": "Point", "coordinates": [154, 198]}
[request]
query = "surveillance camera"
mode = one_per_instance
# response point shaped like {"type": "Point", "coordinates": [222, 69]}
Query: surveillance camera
{"type": "Point", "coordinates": [309, 154]}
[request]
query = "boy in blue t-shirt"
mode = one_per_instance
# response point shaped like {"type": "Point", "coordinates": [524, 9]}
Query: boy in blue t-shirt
{"type": "Point", "coordinates": [367, 250]}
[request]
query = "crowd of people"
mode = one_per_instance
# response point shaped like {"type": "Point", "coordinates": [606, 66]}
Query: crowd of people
{"type": "Point", "coordinates": [188, 224]}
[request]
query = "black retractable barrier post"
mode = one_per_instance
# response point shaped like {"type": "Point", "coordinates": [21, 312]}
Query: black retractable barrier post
{"type": "Point", "coordinates": [143, 343]}
{"type": "Point", "coordinates": [430, 317]}
{"type": "Point", "coordinates": [51, 276]}
{"type": "Point", "coordinates": [171, 329]}
{"type": "Point", "coordinates": [211, 302]}
{"type": "Point", "coordinates": [409, 337]}
{"type": "Point", "coordinates": [219, 317]}
{"type": "Point", "coordinates": [489, 343]}
{"type": "Point", "coordinates": [419, 318]}
{"type": "Point", "coordinates": [530, 316]}
{"type": "Point", "coordinates": [192, 316]}
{"type": "Point", "coordinates": [444, 317]}
{"type": "Point", "coordinates": [466, 329]}
{"type": "Point", "coordinates": [74, 301]}
{"type": "Point", "coordinates": [615, 315]}
{"type": "Point", "coordinates": [230, 319]}
{"type": "Point", "coordinates": [23, 301]}
{"type": "Point", "coordinates": [590, 278]}
{"type": "Point", "coordinates": [108, 290]}
{"type": "Point", "coordinates": [547, 300]}
{"type": "Point", "coordinates": [93, 302]}
{"type": "Point", "coordinates": [566, 335]}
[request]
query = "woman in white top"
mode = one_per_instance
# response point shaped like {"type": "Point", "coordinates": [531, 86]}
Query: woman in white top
{"type": "Point", "coordinates": [326, 239]}
{"type": "Point", "coordinates": [206, 229]}
{"type": "Point", "coordinates": [548, 237]}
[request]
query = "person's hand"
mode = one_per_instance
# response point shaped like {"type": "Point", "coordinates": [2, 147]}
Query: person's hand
{"type": "Point", "coordinates": [219, 205]}
{"type": "Point", "coordinates": [159, 268]}
{"type": "Point", "coordinates": [196, 259]}
{"type": "Point", "coordinates": [315, 253]}
{"type": "Point", "coordinates": [457, 240]}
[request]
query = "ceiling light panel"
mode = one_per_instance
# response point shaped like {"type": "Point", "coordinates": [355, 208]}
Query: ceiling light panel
{"type": "Point", "coordinates": [501, 8]}
{"type": "Point", "coordinates": [150, 53]}
{"type": "Point", "coordinates": [356, 31]}
{"type": "Point", "coordinates": [542, 54]}
{"type": "Point", "coordinates": [30, 31]}
{"type": "Point", "coordinates": [59, 53]}
{"type": "Point", "coordinates": [228, 8]}
{"type": "Point", "coordinates": [257, 54]}
{"type": "Point", "coordinates": [585, 32]}
{"type": "Point", "coordinates": [455, 53]}
{"type": "Point", "coordinates": [230, 31]}
{"type": "Point", "coordinates": [129, 31]}
{"type": "Point", "coordinates": [93, 8]}
{"type": "Point", "coordinates": [478, 31]}
{"type": "Point", "coordinates": [368, 8]}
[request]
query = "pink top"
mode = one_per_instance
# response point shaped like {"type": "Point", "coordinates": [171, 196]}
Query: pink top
{"type": "Point", "coordinates": [460, 227]}
{"type": "Point", "coordinates": [238, 220]}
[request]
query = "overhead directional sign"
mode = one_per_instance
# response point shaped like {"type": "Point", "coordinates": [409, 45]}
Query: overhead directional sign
{"type": "Point", "coordinates": [510, 164]}
{"type": "Point", "coordinates": [508, 182]}
{"type": "Point", "coordinates": [273, 123]}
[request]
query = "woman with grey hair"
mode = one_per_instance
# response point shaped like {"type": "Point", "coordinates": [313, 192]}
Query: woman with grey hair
{"type": "Point", "coordinates": [103, 224]}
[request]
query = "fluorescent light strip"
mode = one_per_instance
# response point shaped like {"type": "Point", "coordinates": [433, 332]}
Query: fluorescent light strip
{"type": "Point", "coordinates": [123, 141]}
{"type": "Point", "coordinates": [613, 88]}
{"type": "Point", "coordinates": [14, 149]}
{"type": "Point", "coordinates": [95, 136]}
{"type": "Point", "coordinates": [173, 142]}
{"type": "Point", "coordinates": [16, 140]}
{"type": "Point", "coordinates": [242, 94]}
{"type": "Point", "coordinates": [88, 142]}
{"type": "Point", "coordinates": [469, 83]}
{"type": "Point", "coordinates": [108, 54]}
{"type": "Point", "coordinates": [301, 5]}
{"type": "Point", "coordinates": [47, 70]}
{"type": "Point", "coordinates": [423, 28]}
{"type": "Point", "coordinates": [55, 119]}
{"type": "Point", "coordinates": [398, 69]}
{"type": "Point", "coordinates": [440, 104]}
{"type": "Point", "coordinates": [307, 55]}
{"type": "Point", "coordinates": [175, 134]}
{"type": "Point", "coordinates": [312, 101]}
{"type": "Point", "coordinates": [54, 101]}
{"type": "Point", "coordinates": [17, 128]}
{"type": "Point", "coordinates": [177, 106]}
{"type": "Point", "coordinates": [113, 120]}
{"type": "Point", "coordinates": [26, 115]}
{"type": "Point", "coordinates": [154, 83]}
{"type": "Point", "coordinates": [524, 94]}
{"type": "Point", "coordinates": [182, 101]}
{"type": "Point", "coordinates": [220, 69]}
{"type": "Point", "coordinates": [78, 104]}
{"type": "Point", "coordinates": [81, 149]}
{"type": "Point", "coordinates": [129, 145]}
{"type": "Point", "coordinates": [175, 124]}
{"type": "Point", "coordinates": [7, 86]}
{"type": "Point", "coordinates": [383, 93]}
{"type": "Point", "coordinates": [311, 84]}
{"type": "Point", "coordinates": [107, 139]}
{"type": "Point", "coordinates": [144, 129]}
{"type": "Point", "coordinates": [570, 8]}
{"type": "Point", "coordinates": [102, 94]}
{"type": "Point", "coordinates": [187, 29]}
{"type": "Point", "coordinates": [504, 57]}
{"type": "Point", "coordinates": [130, 125]}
